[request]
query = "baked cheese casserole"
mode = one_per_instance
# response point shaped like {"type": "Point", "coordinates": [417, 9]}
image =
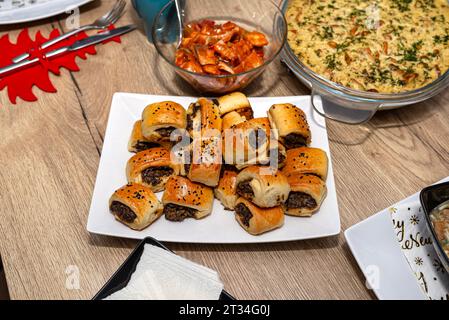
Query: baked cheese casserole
{"type": "Point", "coordinates": [386, 46]}
{"type": "Point", "coordinates": [440, 221]}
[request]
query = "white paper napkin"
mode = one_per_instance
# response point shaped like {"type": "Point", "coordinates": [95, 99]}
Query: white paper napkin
{"type": "Point", "coordinates": [162, 275]}
{"type": "Point", "coordinates": [416, 243]}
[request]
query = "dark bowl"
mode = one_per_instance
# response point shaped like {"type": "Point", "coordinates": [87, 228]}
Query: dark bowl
{"type": "Point", "coordinates": [432, 198]}
{"type": "Point", "coordinates": [122, 276]}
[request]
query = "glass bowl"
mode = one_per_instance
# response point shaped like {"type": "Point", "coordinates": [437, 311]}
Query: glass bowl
{"type": "Point", "coordinates": [347, 105]}
{"type": "Point", "coordinates": [263, 16]}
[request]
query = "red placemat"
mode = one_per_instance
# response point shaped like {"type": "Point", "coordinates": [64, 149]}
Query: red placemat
{"type": "Point", "coordinates": [20, 83]}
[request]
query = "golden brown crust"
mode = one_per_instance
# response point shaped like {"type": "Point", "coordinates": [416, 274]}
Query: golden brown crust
{"type": "Point", "coordinates": [206, 149]}
{"type": "Point", "coordinates": [262, 220]}
{"type": "Point", "coordinates": [182, 155]}
{"type": "Point", "coordinates": [154, 157]}
{"type": "Point", "coordinates": [310, 185]}
{"type": "Point", "coordinates": [183, 192]}
{"type": "Point", "coordinates": [143, 203]}
{"type": "Point", "coordinates": [202, 116]}
{"type": "Point", "coordinates": [235, 101]}
{"type": "Point", "coordinates": [210, 115]}
{"type": "Point", "coordinates": [160, 115]}
{"type": "Point", "coordinates": [269, 186]}
{"type": "Point", "coordinates": [232, 119]}
{"type": "Point", "coordinates": [137, 141]}
{"type": "Point", "coordinates": [208, 174]}
{"type": "Point", "coordinates": [206, 161]}
{"type": "Point", "coordinates": [226, 190]}
{"type": "Point", "coordinates": [289, 119]}
{"type": "Point", "coordinates": [239, 143]}
{"type": "Point", "coordinates": [306, 160]}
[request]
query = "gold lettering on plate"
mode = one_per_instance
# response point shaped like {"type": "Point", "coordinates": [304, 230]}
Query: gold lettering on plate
{"type": "Point", "coordinates": [399, 224]}
{"type": "Point", "coordinates": [421, 278]}
{"type": "Point", "coordinates": [416, 241]}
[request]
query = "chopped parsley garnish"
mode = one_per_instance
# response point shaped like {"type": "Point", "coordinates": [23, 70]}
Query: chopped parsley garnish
{"type": "Point", "coordinates": [357, 13]}
{"type": "Point", "coordinates": [378, 75]}
{"type": "Point", "coordinates": [342, 46]}
{"type": "Point", "coordinates": [441, 39]}
{"type": "Point", "coordinates": [439, 18]}
{"type": "Point", "coordinates": [327, 33]}
{"type": "Point", "coordinates": [402, 5]}
{"type": "Point", "coordinates": [409, 70]}
{"type": "Point", "coordinates": [410, 54]}
{"type": "Point", "coordinates": [331, 62]}
{"type": "Point", "coordinates": [425, 4]}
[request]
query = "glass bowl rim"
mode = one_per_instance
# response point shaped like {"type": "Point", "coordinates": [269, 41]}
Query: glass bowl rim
{"type": "Point", "coordinates": [222, 76]}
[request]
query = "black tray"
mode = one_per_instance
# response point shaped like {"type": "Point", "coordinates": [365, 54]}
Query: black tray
{"type": "Point", "coordinates": [122, 276]}
{"type": "Point", "coordinates": [431, 197]}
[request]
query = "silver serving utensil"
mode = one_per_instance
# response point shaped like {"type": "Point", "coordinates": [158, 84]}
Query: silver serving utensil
{"type": "Point", "coordinates": [101, 23]}
{"type": "Point", "coordinates": [180, 15]}
{"type": "Point", "coordinates": [80, 44]}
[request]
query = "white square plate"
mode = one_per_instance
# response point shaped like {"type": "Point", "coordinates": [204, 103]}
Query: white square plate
{"type": "Point", "coordinates": [220, 226]}
{"type": "Point", "coordinates": [377, 251]}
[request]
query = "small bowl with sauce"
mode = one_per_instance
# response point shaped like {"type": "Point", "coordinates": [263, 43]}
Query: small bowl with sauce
{"type": "Point", "coordinates": [435, 203]}
{"type": "Point", "coordinates": [225, 45]}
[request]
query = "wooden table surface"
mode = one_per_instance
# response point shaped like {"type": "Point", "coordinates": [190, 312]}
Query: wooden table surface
{"type": "Point", "coordinates": [50, 150]}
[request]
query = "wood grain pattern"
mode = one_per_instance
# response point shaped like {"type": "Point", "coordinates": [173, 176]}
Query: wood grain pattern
{"type": "Point", "coordinates": [50, 151]}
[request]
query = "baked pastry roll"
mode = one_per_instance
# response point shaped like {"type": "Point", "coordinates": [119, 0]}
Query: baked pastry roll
{"type": "Point", "coordinates": [236, 102]}
{"type": "Point", "coordinates": [264, 186]}
{"type": "Point", "coordinates": [290, 124]}
{"type": "Point", "coordinates": [152, 168]}
{"type": "Point", "coordinates": [282, 155]}
{"type": "Point", "coordinates": [202, 116]}
{"type": "Point", "coordinates": [232, 119]}
{"type": "Point", "coordinates": [306, 195]}
{"type": "Point", "coordinates": [160, 119]}
{"type": "Point", "coordinates": [185, 199]}
{"type": "Point", "coordinates": [206, 161]}
{"type": "Point", "coordinates": [277, 154]}
{"type": "Point", "coordinates": [247, 143]}
{"type": "Point", "coordinates": [256, 220]}
{"type": "Point", "coordinates": [137, 141]}
{"type": "Point", "coordinates": [135, 205]}
{"type": "Point", "coordinates": [226, 190]}
{"type": "Point", "coordinates": [181, 154]}
{"type": "Point", "coordinates": [306, 160]}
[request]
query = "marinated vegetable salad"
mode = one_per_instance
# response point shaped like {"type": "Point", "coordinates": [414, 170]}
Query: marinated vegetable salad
{"type": "Point", "coordinates": [220, 49]}
{"type": "Point", "coordinates": [386, 46]}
